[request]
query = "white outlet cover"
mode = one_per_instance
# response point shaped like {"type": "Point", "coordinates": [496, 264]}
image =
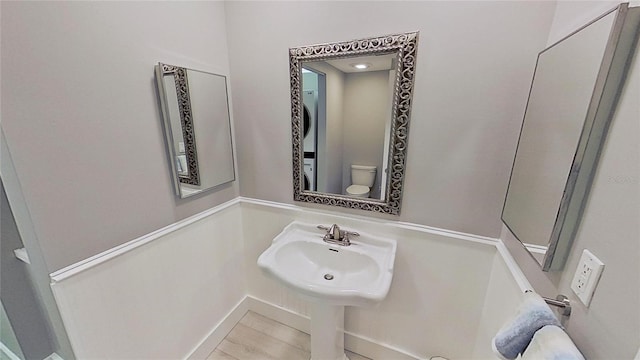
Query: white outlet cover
{"type": "Point", "coordinates": [588, 272]}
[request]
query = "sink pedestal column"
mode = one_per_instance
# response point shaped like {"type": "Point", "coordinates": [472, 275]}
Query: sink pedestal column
{"type": "Point", "coordinates": [327, 336]}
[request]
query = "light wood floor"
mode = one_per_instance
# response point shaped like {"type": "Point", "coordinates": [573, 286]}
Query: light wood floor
{"type": "Point", "coordinates": [256, 337]}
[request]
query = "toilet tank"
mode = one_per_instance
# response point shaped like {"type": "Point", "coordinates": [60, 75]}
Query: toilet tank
{"type": "Point", "coordinates": [363, 175]}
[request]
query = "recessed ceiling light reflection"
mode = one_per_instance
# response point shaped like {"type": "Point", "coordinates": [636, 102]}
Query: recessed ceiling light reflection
{"type": "Point", "coordinates": [361, 66]}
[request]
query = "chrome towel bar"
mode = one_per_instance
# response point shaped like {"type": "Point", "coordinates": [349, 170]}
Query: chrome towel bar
{"type": "Point", "coordinates": [560, 301]}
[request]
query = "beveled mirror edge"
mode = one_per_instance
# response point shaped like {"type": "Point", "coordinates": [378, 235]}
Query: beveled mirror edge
{"type": "Point", "coordinates": [601, 107]}
{"type": "Point", "coordinates": [615, 65]}
{"type": "Point", "coordinates": [406, 44]}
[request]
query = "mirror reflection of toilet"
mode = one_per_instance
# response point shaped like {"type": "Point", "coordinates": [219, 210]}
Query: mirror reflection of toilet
{"type": "Point", "coordinates": [362, 179]}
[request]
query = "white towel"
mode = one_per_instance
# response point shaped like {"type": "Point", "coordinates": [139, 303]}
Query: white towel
{"type": "Point", "coordinates": [515, 335]}
{"type": "Point", "coordinates": [551, 343]}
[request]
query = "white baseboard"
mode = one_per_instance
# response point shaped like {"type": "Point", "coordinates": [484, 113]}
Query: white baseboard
{"type": "Point", "coordinates": [279, 314]}
{"type": "Point", "coordinates": [217, 334]}
{"type": "Point", "coordinates": [353, 342]}
{"type": "Point", "coordinates": [372, 349]}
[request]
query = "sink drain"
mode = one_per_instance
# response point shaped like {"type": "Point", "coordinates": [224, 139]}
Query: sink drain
{"type": "Point", "coordinates": [328, 277]}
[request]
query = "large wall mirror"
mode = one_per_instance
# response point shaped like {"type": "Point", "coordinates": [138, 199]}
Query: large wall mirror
{"type": "Point", "coordinates": [573, 94]}
{"type": "Point", "coordinates": [195, 110]}
{"type": "Point", "coordinates": [350, 109]}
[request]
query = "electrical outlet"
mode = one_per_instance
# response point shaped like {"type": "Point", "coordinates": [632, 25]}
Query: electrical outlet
{"type": "Point", "coordinates": [581, 283]}
{"type": "Point", "coordinates": [587, 276]}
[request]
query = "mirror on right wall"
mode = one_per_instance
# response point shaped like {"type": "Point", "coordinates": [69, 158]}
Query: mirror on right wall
{"type": "Point", "coordinates": [574, 91]}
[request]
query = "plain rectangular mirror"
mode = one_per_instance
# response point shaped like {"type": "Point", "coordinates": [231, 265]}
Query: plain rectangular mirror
{"type": "Point", "coordinates": [573, 94]}
{"type": "Point", "coordinates": [195, 110]}
{"type": "Point", "coordinates": [350, 110]}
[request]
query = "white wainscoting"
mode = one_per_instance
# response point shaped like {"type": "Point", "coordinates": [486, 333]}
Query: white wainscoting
{"type": "Point", "coordinates": [439, 302]}
{"type": "Point", "coordinates": [504, 292]}
{"type": "Point", "coordinates": [157, 297]}
{"type": "Point", "coordinates": [176, 292]}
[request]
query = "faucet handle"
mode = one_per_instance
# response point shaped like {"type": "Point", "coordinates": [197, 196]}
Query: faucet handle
{"type": "Point", "coordinates": [327, 229]}
{"type": "Point", "coordinates": [348, 235]}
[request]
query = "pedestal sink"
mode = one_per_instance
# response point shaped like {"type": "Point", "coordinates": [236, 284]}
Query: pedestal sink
{"type": "Point", "coordinates": [331, 277]}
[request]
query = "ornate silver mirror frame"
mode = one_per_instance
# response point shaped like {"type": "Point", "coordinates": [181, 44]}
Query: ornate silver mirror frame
{"type": "Point", "coordinates": [405, 47]}
{"type": "Point", "coordinates": [186, 120]}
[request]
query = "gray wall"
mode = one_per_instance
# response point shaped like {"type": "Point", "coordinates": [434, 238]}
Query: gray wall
{"type": "Point", "coordinates": [81, 117]}
{"type": "Point", "coordinates": [475, 62]}
{"type": "Point", "coordinates": [610, 327]}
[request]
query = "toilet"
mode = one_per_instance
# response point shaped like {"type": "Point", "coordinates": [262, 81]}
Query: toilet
{"type": "Point", "coordinates": [362, 179]}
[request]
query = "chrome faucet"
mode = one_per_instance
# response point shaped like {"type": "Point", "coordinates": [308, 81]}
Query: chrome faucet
{"type": "Point", "coordinates": [336, 236]}
{"type": "Point", "coordinates": [335, 232]}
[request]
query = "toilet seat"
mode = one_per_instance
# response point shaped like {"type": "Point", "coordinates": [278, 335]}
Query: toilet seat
{"type": "Point", "coordinates": [357, 190]}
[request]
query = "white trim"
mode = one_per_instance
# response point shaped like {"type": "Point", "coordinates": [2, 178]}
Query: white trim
{"type": "Point", "coordinates": [513, 267]}
{"type": "Point", "coordinates": [53, 356]}
{"type": "Point", "coordinates": [353, 342]}
{"type": "Point", "coordinates": [107, 255]}
{"type": "Point", "coordinates": [209, 343]}
{"type": "Point", "coordinates": [280, 314]}
{"type": "Point", "coordinates": [10, 354]}
{"type": "Point", "coordinates": [287, 206]}
{"type": "Point", "coordinates": [536, 249]}
{"type": "Point", "coordinates": [448, 233]}
{"type": "Point", "coordinates": [22, 255]}
{"type": "Point", "coordinates": [394, 223]}
{"type": "Point", "coordinates": [357, 343]}
{"type": "Point", "coordinates": [368, 347]}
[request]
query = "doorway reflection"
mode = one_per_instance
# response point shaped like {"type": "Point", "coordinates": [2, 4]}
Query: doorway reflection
{"type": "Point", "coordinates": [312, 101]}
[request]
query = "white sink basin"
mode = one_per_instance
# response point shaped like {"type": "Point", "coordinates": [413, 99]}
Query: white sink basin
{"type": "Point", "coordinates": [355, 275]}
